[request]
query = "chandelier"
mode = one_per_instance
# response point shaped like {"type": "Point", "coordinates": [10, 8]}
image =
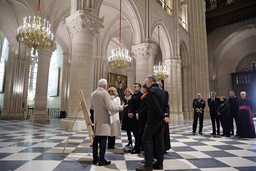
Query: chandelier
{"type": "Point", "coordinates": [35, 33]}
{"type": "Point", "coordinates": [120, 58]}
{"type": "Point", "coordinates": [160, 70]}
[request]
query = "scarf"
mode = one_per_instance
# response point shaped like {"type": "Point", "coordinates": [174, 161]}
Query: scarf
{"type": "Point", "coordinates": [144, 96]}
{"type": "Point", "coordinates": [128, 98]}
{"type": "Point", "coordinates": [112, 97]}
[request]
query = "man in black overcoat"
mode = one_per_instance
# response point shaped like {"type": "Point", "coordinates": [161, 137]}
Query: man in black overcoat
{"type": "Point", "coordinates": [134, 106]}
{"type": "Point", "coordinates": [154, 126]}
{"type": "Point", "coordinates": [213, 103]}
{"type": "Point", "coordinates": [233, 107]}
{"type": "Point", "coordinates": [198, 105]}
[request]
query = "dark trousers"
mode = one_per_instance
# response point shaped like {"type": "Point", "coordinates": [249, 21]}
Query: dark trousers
{"type": "Point", "coordinates": [111, 142]}
{"type": "Point", "coordinates": [215, 117]}
{"type": "Point", "coordinates": [225, 122]}
{"type": "Point", "coordinates": [102, 140]}
{"type": "Point", "coordinates": [135, 131]}
{"type": "Point", "coordinates": [201, 119]}
{"type": "Point", "coordinates": [129, 135]}
{"type": "Point", "coordinates": [232, 117]}
{"type": "Point", "coordinates": [151, 130]}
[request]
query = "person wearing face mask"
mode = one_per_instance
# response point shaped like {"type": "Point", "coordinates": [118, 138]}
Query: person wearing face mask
{"type": "Point", "coordinates": [114, 119]}
{"type": "Point", "coordinates": [245, 119]}
{"type": "Point", "coordinates": [223, 112]}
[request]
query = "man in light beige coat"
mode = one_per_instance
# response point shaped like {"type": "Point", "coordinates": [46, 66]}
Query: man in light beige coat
{"type": "Point", "coordinates": [101, 104]}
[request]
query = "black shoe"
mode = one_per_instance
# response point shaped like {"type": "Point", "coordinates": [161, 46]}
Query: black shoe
{"type": "Point", "coordinates": [200, 133]}
{"type": "Point", "coordinates": [213, 134]}
{"type": "Point", "coordinates": [158, 166]}
{"type": "Point", "coordinates": [135, 152]}
{"type": "Point", "coordinates": [144, 168]}
{"type": "Point", "coordinates": [129, 144]}
{"type": "Point", "coordinates": [105, 162]}
{"type": "Point", "coordinates": [223, 135]}
{"type": "Point", "coordinates": [95, 161]}
{"type": "Point", "coordinates": [111, 147]}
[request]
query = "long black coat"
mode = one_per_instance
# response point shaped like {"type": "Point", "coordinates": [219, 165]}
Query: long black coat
{"type": "Point", "coordinates": [126, 121]}
{"type": "Point", "coordinates": [156, 105]}
{"type": "Point", "coordinates": [233, 106]}
{"type": "Point", "coordinates": [143, 112]}
{"type": "Point", "coordinates": [214, 106]}
{"type": "Point", "coordinates": [223, 109]}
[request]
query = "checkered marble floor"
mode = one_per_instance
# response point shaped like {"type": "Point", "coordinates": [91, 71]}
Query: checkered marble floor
{"type": "Point", "coordinates": [25, 146]}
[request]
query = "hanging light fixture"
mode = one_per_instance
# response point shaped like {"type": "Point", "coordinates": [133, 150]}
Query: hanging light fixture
{"type": "Point", "coordinates": [120, 58]}
{"type": "Point", "coordinates": [35, 33]}
{"type": "Point", "coordinates": [160, 70]}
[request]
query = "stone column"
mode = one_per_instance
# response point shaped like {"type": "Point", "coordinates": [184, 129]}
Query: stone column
{"type": "Point", "coordinates": [83, 27]}
{"type": "Point", "coordinates": [16, 83]}
{"type": "Point", "coordinates": [130, 77]}
{"type": "Point", "coordinates": [144, 55]}
{"type": "Point", "coordinates": [40, 115]}
{"type": "Point", "coordinates": [64, 86]}
{"type": "Point", "coordinates": [99, 70]}
{"type": "Point", "coordinates": [198, 49]}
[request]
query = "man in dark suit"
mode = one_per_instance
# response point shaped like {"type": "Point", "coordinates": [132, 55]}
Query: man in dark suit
{"type": "Point", "coordinates": [198, 105]}
{"type": "Point", "coordinates": [232, 101]}
{"type": "Point", "coordinates": [134, 106]}
{"type": "Point", "coordinates": [213, 103]}
{"type": "Point", "coordinates": [154, 126]}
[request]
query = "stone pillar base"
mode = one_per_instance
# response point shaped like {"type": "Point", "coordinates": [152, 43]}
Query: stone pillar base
{"type": "Point", "coordinates": [13, 116]}
{"type": "Point", "coordinates": [78, 126]}
{"type": "Point", "coordinates": [176, 117]}
{"type": "Point", "coordinates": [42, 118]}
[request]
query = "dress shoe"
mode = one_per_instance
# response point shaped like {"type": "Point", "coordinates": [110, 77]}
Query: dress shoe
{"type": "Point", "coordinates": [158, 166]}
{"type": "Point", "coordinates": [144, 168]}
{"type": "Point", "coordinates": [105, 162]}
{"type": "Point", "coordinates": [213, 134]}
{"type": "Point", "coordinates": [95, 161]}
{"type": "Point", "coordinates": [135, 152]}
{"type": "Point", "coordinates": [200, 133]}
{"type": "Point", "coordinates": [111, 147]}
{"type": "Point", "coordinates": [129, 144]}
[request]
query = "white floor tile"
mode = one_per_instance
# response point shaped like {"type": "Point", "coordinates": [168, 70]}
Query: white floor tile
{"type": "Point", "coordinates": [236, 161]}
{"type": "Point", "coordinates": [39, 165]}
{"type": "Point", "coordinates": [22, 156]}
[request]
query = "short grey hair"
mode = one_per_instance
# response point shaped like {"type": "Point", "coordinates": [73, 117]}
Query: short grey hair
{"type": "Point", "coordinates": [243, 92]}
{"type": "Point", "coordinates": [153, 78]}
{"type": "Point", "coordinates": [102, 82]}
{"type": "Point", "coordinates": [214, 92]}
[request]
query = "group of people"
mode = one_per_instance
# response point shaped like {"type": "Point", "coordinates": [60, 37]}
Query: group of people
{"type": "Point", "coordinates": [224, 111]}
{"type": "Point", "coordinates": [145, 114]}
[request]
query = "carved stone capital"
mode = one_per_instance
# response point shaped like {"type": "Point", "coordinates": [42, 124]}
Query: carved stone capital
{"type": "Point", "coordinates": [144, 50]}
{"type": "Point", "coordinates": [82, 21]}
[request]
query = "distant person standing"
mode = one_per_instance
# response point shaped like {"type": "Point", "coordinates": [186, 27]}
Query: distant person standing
{"type": "Point", "coordinates": [233, 106]}
{"type": "Point", "coordinates": [223, 112]}
{"type": "Point", "coordinates": [245, 118]}
{"type": "Point", "coordinates": [198, 105]}
{"type": "Point", "coordinates": [213, 103]}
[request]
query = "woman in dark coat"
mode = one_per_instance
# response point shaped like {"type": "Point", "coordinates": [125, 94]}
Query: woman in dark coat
{"type": "Point", "coordinates": [126, 121]}
{"type": "Point", "coordinates": [223, 111]}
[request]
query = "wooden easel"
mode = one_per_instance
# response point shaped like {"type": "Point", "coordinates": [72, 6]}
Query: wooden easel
{"type": "Point", "coordinates": [82, 106]}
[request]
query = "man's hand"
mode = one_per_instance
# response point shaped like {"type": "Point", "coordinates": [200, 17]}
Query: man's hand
{"type": "Point", "coordinates": [137, 116]}
{"type": "Point", "coordinates": [166, 119]}
{"type": "Point", "coordinates": [218, 113]}
{"type": "Point", "coordinates": [130, 115]}
{"type": "Point", "coordinates": [124, 106]}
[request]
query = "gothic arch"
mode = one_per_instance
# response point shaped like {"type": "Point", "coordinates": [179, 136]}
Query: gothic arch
{"type": "Point", "coordinates": [234, 48]}
{"type": "Point", "coordinates": [165, 40]}
{"type": "Point", "coordinates": [110, 31]}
